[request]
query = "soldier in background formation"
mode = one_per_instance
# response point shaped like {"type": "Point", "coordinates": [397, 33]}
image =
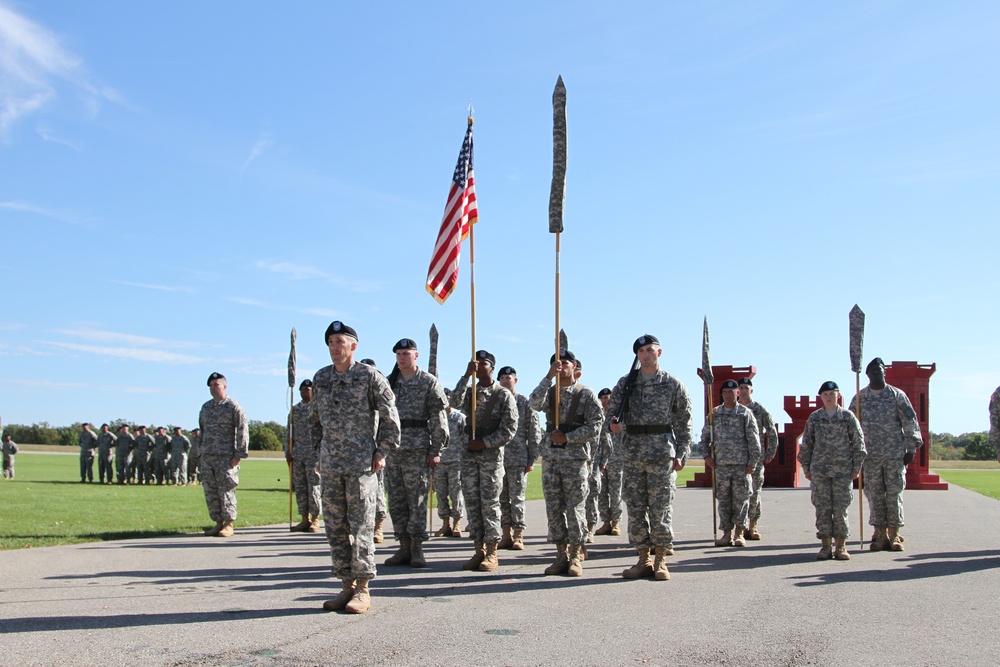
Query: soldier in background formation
{"type": "Point", "coordinates": [657, 427]}
{"type": "Point", "coordinates": [892, 437]}
{"type": "Point", "coordinates": [599, 451]}
{"type": "Point", "coordinates": [161, 456]}
{"type": "Point", "coordinates": [995, 421]}
{"type": "Point", "coordinates": [519, 457]}
{"type": "Point", "coordinates": [731, 445]}
{"type": "Point", "coordinates": [610, 498]}
{"type": "Point", "coordinates": [194, 458]}
{"type": "Point", "coordinates": [352, 449]}
{"type": "Point", "coordinates": [88, 443]}
{"type": "Point", "coordinates": [141, 459]}
{"type": "Point", "coordinates": [124, 444]}
{"type": "Point", "coordinates": [225, 441]}
{"type": "Point", "coordinates": [381, 509]}
{"type": "Point", "coordinates": [831, 454]}
{"type": "Point", "coordinates": [768, 434]}
{"type": "Point", "coordinates": [9, 450]}
{"type": "Point", "coordinates": [448, 476]}
{"type": "Point", "coordinates": [494, 424]}
{"type": "Point", "coordinates": [420, 404]}
{"type": "Point", "coordinates": [105, 446]}
{"type": "Point", "coordinates": [566, 454]}
{"type": "Point", "coordinates": [302, 459]}
{"type": "Point", "coordinates": [179, 448]}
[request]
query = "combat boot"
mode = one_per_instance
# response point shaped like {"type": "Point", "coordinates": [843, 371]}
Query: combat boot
{"type": "Point", "coordinates": [575, 568]}
{"type": "Point", "coordinates": [417, 554]}
{"type": "Point", "coordinates": [642, 568]}
{"type": "Point", "coordinates": [456, 530]}
{"type": "Point", "coordinates": [213, 531]}
{"type": "Point", "coordinates": [518, 540]}
{"type": "Point", "coordinates": [738, 539]}
{"type": "Point", "coordinates": [402, 555]}
{"type": "Point", "coordinates": [343, 597]}
{"type": "Point", "coordinates": [826, 551]}
{"type": "Point", "coordinates": [226, 530]}
{"type": "Point", "coordinates": [880, 540]}
{"type": "Point", "coordinates": [445, 529]}
{"type": "Point", "coordinates": [752, 533]}
{"type": "Point", "coordinates": [301, 526]}
{"type": "Point", "coordinates": [590, 533]}
{"type": "Point", "coordinates": [313, 524]}
{"type": "Point", "coordinates": [615, 530]}
{"type": "Point", "coordinates": [377, 536]}
{"type": "Point", "coordinates": [490, 561]}
{"type": "Point", "coordinates": [477, 558]}
{"type": "Point", "coordinates": [605, 529]}
{"type": "Point", "coordinates": [726, 540]}
{"type": "Point", "coordinates": [562, 561]}
{"type": "Point", "coordinates": [506, 542]}
{"type": "Point", "coordinates": [840, 551]}
{"type": "Point", "coordinates": [660, 571]}
{"type": "Point", "coordinates": [895, 539]}
{"type": "Point", "coordinates": [361, 601]}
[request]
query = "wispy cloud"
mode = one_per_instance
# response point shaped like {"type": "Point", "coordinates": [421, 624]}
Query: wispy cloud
{"type": "Point", "coordinates": [103, 336]}
{"type": "Point", "coordinates": [47, 135]}
{"type": "Point", "coordinates": [164, 288]}
{"type": "Point", "coordinates": [134, 353]}
{"type": "Point", "coordinates": [61, 216]}
{"type": "Point", "coordinates": [264, 142]}
{"type": "Point", "coordinates": [52, 385]}
{"type": "Point", "coordinates": [297, 271]}
{"type": "Point", "coordinates": [319, 312]}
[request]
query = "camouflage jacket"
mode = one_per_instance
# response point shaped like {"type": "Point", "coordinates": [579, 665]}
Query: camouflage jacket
{"type": "Point", "coordinates": [658, 403]}
{"type": "Point", "coordinates": [224, 432]}
{"type": "Point", "coordinates": [582, 430]}
{"type": "Point", "coordinates": [736, 437]}
{"type": "Point", "coordinates": [195, 447]}
{"type": "Point", "coordinates": [995, 420]}
{"type": "Point", "coordinates": [106, 441]}
{"type": "Point", "coordinates": [88, 441]}
{"type": "Point", "coordinates": [766, 429]}
{"type": "Point", "coordinates": [161, 446]}
{"type": "Point", "coordinates": [421, 403]}
{"type": "Point", "coordinates": [501, 418]}
{"type": "Point", "coordinates": [832, 445]}
{"type": "Point", "coordinates": [889, 422]}
{"type": "Point", "coordinates": [300, 431]}
{"type": "Point", "coordinates": [456, 438]}
{"type": "Point", "coordinates": [522, 451]}
{"type": "Point", "coordinates": [125, 444]}
{"type": "Point", "coordinates": [179, 445]}
{"type": "Point", "coordinates": [144, 444]}
{"type": "Point", "coordinates": [610, 449]}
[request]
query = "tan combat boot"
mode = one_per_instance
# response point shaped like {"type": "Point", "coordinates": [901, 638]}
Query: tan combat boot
{"type": "Point", "coordinates": [213, 531]}
{"type": "Point", "coordinates": [445, 529]}
{"type": "Point", "coordinates": [895, 539]}
{"type": "Point", "coordinates": [343, 597]}
{"type": "Point", "coordinates": [615, 530]}
{"type": "Point", "coordinates": [477, 558]}
{"type": "Point", "coordinates": [313, 524]}
{"type": "Point", "coordinates": [361, 601]}
{"type": "Point", "coordinates": [589, 539]}
{"type": "Point", "coordinates": [575, 568]}
{"type": "Point", "coordinates": [402, 555]}
{"type": "Point", "coordinates": [561, 563]}
{"type": "Point", "coordinates": [226, 530]}
{"type": "Point", "coordinates": [738, 539]}
{"type": "Point", "coordinates": [726, 540]}
{"type": "Point", "coordinates": [507, 541]}
{"type": "Point", "coordinates": [826, 551]}
{"type": "Point", "coordinates": [880, 540]}
{"type": "Point", "coordinates": [417, 555]}
{"type": "Point", "coordinates": [377, 536]}
{"type": "Point", "coordinates": [752, 533]}
{"type": "Point", "coordinates": [642, 568]}
{"type": "Point", "coordinates": [456, 530]}
{"type": "Point", "coordinates": [660, 571]}
{"type": "Point", "coordinates": [605, 529]}
{"type": "Point", "coordinates": [840, 551]}
{"type": "Point", "coordinates": [301, 526]}
{"type": "Point", "coordinates": [518, 540]}
{"type": "Point", "coordinates": [490, 561]}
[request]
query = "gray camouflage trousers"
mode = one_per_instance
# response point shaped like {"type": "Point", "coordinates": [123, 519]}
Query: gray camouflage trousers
{"type": "Point", "coordinates": [87, 465]}
{"type": "Point", "coordinates": [123, 463]}
{"type": "Point", "coordinates": [649, 486]}
{"type": "Point", "coordinates": [219, 482]}
{"type": "Point", "coordinates": [758, 483]}
{"type": "Point", "coordinates": [143, 468]}
{"type": "Point", "coordinates": [732, 491]}
{"type": "Point", "coordinates": [610, 500]}
{"type": "Point", "coordinates": [831, 496]}
{"type": "Point", "coordinates": [380, 509]}
{"type": "Point", "coordinates": [408, 481]}
{"type": "Point", "coordinates": [161, 468]}
{"type": "Point", "coordinates": [515, 484]}
{"type": "Point", "coordinates": [306, 482]}
{"type": "Point", "coordinates": [349, 519]}
{"type": "Point", "coordinates": [193, 472]}
{"type": "Point", "coordinates": [885, 480]}
{"type": "Point", "coordinates": [564, 483]}
{"type": "Point", "coordinates": [178, 469]}
{"type": "Point", "coordinates": [482, 481]}
{"type": "Point", "coordinates": [593, 493]}
{"type": "Point", "coordinates": [105, 466]}
{"type": "Point", "coordinates": [448, 487]}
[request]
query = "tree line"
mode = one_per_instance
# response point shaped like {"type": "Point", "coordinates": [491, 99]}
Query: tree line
{"type": "Point", "coordinates": [264, 436]}
{"type": "Point", "coordinates": [965, 447]}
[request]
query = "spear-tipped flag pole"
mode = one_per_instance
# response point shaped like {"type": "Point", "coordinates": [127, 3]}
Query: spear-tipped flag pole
{"type": "Point", "coordinates": [709, 379]}
{"type": "Point", "coordinates": [557, 195]}
{"type": "Point", "coordinates": [291, 420]}
{"type": "Point", "coordinates": [857, 341]}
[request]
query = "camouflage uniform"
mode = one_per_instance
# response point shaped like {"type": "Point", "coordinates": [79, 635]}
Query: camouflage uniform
{"type": "Point", "coordinates": [600, 454]}
{"type": "Point", "coordinates": [88, 442]}
{"type": "Point", "coordinates": [179, 448]}
{"type": "Point", "coordinates": [161, 456]}
{"type": "Point", "coordinates": [224, 436]}
{"type": "Point", "coordinates": [305, 478]}
{"type": "Point", "coordinates": [105, 457]}
{"type": "Point", "coordinates": [123, 456]}
{"type": "Point", "coordinates": [737, 447]}
{"type": "Point", "coordinates": [9, 450]}
{"type": "Point", "coordinates": [995, 420]}
{"type": "Point", "coordinates": [891, 431]}
{"type": "Point", "coordinates": [482, 471]}
{"type": "Point", "coordinates": [768, 437]}
{"type": "Point", "coordinates": [565, 469]}
{"type": "Point", "coordinates": [832, 451]}
{"type": "Point", "coordinates": [610, 498]}
{"type": "Point", "coordinates": [343, 430]}
{"type": "Point", "coordinates": [518, 454]}
{"type": "Point", "coordinates": [657, 431]}
{"type": "Point", "coordinates": [194, 460]}
{"type": "Point", "coordinates": [141, 458]}
{"type": "Point", "coordinates": [448, 473]}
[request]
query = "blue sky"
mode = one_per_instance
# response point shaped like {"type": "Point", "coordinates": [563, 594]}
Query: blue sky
{"type": "Point", "coordinates": [182, 183]}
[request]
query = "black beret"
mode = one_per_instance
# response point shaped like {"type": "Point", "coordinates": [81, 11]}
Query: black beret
{"type": "Point", "coordinates": [215, 376]}
{"type": "Point", "coordinates": [877, 361]}
{"type": "Point", "coordinates": [644, 340]}
{"type": "Point", "coordinates": [730, 384]}
{"type": "Point", "coordinates": [507, 370]}
{"type": "Point", "coordinates": [745, 381]}
{"type": "Point", "coordinates": [368, 362]}
{"type": "Point", "coordinates": [483, 355]}
{"type": "Point", "coordinates": [338, 327]}
{"type": "Point", "coordinates": [829, 385]}
{"type": "Point", "coordinates": [305, 383]}
{"type": "Point", "coordinates": [564, 354]}
{"type": "Point", "coordinates": [604, 392]}
{"type": "Point", "coordinates": [405, 344]}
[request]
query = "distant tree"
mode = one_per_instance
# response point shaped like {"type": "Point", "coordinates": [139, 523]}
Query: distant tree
{"type": "Point", "coordinates": [266, 436]}
{"type": "Point", "coordinates": [977, 447]}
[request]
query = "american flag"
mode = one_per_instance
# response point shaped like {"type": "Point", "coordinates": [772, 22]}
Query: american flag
{"type": "Point", "coordinates": [459, 214]}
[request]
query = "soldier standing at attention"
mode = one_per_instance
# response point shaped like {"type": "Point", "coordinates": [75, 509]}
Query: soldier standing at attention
{"type": "Point", "coordinates": [995, 421]}
{"type": "Point", "coordinates": [482, 460]}
{"type": "Point", "coordinates": [105, 459]}
{"type": "Point", "coordinates": [768, 435]}
{"type": "Point", "coordinates": [224, 442]}
{"type": "Point", "coordinates": [448, 476]}
{"type": "Point", "coordinates": [892, 437]}
{"type": "Point", "coordinates": [124, 445]}
{"type": "Point", "coordinates": [194, 457]}
{"type": "Point", "coordinates": [179, 448]}
{"type": "Point", "coordinates": [343, 426]}
{"type": "Point", "coordinates": [831, 454]}
{"type": "Point", "coordinates": [733, 432]}
{"type": "Point", "coordinates": [565, 457]}
{"type": "Point", "coordinates": [599, 451]}
{"type": "Point", "coordinates": [518, 460]}
{"type": "Point", "coordinates": [88, 442]}
{"type": "Point", "coordinates": [141, 458]}
{"type": "Point", "coordinates": [302, 459]}
{"type": "Point", "coordinates": [9, 450]}
{"type": "Point", "coordinates": [657, 427]}
{"type": "Point", "coordinates": [609, 501]}
{"type": "Point", "coordinates": [161, 455]}
{"type": "Point", "coordinates": [381, 511]}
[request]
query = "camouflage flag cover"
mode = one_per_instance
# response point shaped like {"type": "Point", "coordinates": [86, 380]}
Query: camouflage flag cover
{"type": "Point", "coordinates": [706, 364]}
{"type": "Point", "coordinates": [291, 362]}
{"type": "Point", "coordinates": [857, 318]}
{"type": "Point", "coordinates": [557, 196]}
{"type": "Point", "coordinates": [432, 363]}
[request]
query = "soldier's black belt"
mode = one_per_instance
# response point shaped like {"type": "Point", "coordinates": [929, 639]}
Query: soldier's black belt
{"type": "Point", "coordinates": [413, 423]}
{"type": "Point", "coordinates": [647, 429]}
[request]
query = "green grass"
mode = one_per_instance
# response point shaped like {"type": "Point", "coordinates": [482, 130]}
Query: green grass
{"type": "Point", "coordinates": [986, 482]}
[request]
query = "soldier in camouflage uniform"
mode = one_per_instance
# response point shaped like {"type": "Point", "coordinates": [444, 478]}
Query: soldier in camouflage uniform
{"type": "Point", "coordinates": [657, 441]}
{"type": "Point", "coordinates": [88, 443]}
{"type": "Point", "coordinates": [9, 450]}
{"type": "Point", "coordinates": [732, 434]}
{"type": "Point", "coordinates": [768, 434]}
{"type": "Point", "coordinates": [609, 501]}
{"type": "Point", "coordinates": [179, 448]}
{"type": "Point", "coordinates": [599, 454]}
{"type": "Point", "coordinates": [831, 454]}
{"type": "Point", "coordinates": [141, 458]}
{"type": "Point", "coordinates": [161, 455]}
{"type": "Point", "coordinates": [381, 510]}
{"type": "Point", "coordinates": [301, 457]}
{"type": "Point", "coordinates": [105, 455]}
{"type": "Point", "coordinates": [225, 441]}
{"type": "Point", "coordinates": [420, 403]}
{"type": "Point", "coordinates": [194, 458]}
{"type": "Point", "coordinates": [124, 445]}
{"type": "Point", "coordinates": [448, 476]}
{"type": "Point", "coordinates": [482, 459]}
{"type": "Point", "coordinates": [352, 449]}
{"type": "Point", "coordinates": [565, 459]}
{"type": "Point", "coordinates": [892, 437]}
{"type": "Point", "coordinates": [518, 460]}
{"type": "Point", "coordinates": [995, 421]}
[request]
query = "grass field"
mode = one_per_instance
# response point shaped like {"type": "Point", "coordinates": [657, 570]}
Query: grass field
{"type": "Point", "coordinates": [986, 482]}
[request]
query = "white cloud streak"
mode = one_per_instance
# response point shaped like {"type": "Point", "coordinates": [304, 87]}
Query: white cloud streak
{"type": "Point", "coordinates": [134, 353]}
{"type": "Point", "coordinates": [319, 312]}
{"type": "Point", "coordinates": [263, 143]}
{"type": "Point", "coordinates": [296, 271]}
{"type": "Point", "coordinates": [162, 288]}
{"type": "Point", "coordinates": [60, 216]}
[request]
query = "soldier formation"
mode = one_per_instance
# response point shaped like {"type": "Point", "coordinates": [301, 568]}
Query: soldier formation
{"type": "Point", "coordinates": [140, 458]}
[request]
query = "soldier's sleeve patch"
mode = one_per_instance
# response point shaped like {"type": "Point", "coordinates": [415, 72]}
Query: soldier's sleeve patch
{"type": "Point", "coordinates": [387, 394]}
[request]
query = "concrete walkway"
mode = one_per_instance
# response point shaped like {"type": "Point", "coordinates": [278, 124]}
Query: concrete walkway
{"type": "Point", "coordinates": [255, 599]}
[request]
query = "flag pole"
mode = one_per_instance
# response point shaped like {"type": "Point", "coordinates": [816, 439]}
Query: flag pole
{"type": "Point", "coordinates": [472, 295]}
{"type": "Point", "coordinates": [291, 423]}
{"type": "Point", "coordinates": [856, 322]}
{"type": "Point", "coordinates": [557, 197]}
{"type": "Point", "coordinates": [708, 376]}
{"type": "Point", "coordinates": [556, 402]}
